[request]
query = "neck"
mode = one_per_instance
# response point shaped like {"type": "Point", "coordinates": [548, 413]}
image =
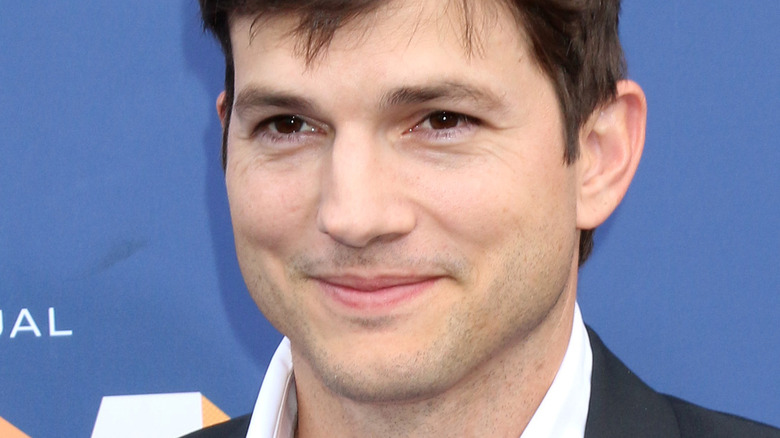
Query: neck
{"type": "Point", "coordinates": [497, 399]}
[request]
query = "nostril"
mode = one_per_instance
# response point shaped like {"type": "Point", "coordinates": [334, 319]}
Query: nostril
{"type": "Point", "coordinates": [347, 226]}
{"type": "Point", "coordinates": [359, 224]}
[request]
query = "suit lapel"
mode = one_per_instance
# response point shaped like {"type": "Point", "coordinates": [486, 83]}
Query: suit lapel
{"type": "Point", "coordinates": [621, 405]}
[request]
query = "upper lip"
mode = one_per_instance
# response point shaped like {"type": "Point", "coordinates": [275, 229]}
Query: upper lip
{"type": "Point", "coordinates": [373, 282]}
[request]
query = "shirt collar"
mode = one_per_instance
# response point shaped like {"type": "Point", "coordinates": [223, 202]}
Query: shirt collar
{"type": "Point", "coordinates": [276, 409]}
{"type": "Point", "coordinates": [562, 413]}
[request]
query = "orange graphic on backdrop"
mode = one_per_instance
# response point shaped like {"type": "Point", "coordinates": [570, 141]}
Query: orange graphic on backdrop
{"type": "Point", "coordinates": [7, 430]}
{"type": "Point", "coordinates": [211, 413]}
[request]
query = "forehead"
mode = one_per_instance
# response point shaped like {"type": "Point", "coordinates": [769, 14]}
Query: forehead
{"type": "Point", "coordinates": [315, 32]}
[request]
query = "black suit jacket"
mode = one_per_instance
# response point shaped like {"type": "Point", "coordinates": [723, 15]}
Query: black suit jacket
{"type": "Point", "coordinates": [621, 406]}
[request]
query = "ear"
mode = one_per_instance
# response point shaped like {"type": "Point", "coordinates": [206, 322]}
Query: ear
{"type": "Point", "coordinates": [222, 108]}
{"type": "Point", "coordinates": [611, 144]}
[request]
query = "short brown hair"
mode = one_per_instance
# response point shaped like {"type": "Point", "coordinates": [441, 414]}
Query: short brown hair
{"type": "Point", "coordinates": [574, 42]}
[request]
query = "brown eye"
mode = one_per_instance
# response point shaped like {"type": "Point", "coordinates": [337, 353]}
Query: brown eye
{"type": "Point", "coordinates": [287, 124]}
{"type": "Point", "coordinates": [444, 120]}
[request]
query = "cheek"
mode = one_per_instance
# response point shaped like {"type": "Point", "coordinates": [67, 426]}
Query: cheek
{"type": "Point", "coordinates": [267, 209]}
{"type": "Point", "coordinates": [515, 225]}
{"type": "Point", "coordinates": [495, 203]}
{"type": "Point", "coordinates": [269, 218]}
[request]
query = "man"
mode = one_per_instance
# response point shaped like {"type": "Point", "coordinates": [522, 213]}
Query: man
{"type": "Point", "coordinates": [413, 186]}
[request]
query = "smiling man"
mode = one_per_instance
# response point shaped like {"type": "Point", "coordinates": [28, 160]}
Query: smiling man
{"type": "Point", "coordinates": [413, 186]}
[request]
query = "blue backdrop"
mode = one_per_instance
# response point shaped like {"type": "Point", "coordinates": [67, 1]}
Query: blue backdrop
{"type": "Point", "coordinates": [113, 213]}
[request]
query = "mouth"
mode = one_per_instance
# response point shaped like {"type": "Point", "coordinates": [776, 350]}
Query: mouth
{"type": "Point", "coordinates": [374, 293]}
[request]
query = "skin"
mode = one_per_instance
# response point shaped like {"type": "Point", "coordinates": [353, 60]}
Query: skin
{"type": "Point", "coordinates": [423, 265]}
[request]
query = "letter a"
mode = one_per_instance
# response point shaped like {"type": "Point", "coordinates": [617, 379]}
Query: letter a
{"type": "Point", "coordinates": [53, 330]}
{"type": "Point", "coordinates": [30, 327]}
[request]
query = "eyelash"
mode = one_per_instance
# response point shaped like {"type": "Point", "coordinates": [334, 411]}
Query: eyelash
{"type": "Point", "coordinates": [269, 130]}
{"type": "Point", "coordinates": [462, 123]}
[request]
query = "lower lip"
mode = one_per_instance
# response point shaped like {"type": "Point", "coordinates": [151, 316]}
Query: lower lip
{"type": "Point", "coordinates": [379, 299]}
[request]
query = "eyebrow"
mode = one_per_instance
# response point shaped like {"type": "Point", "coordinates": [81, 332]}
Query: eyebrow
{"type": "Point", "coordinates": [257, 97]}
{"type": "Point", "coordinates": [448, 91]}
{"type": "Point", "coordinates": [254, 97]}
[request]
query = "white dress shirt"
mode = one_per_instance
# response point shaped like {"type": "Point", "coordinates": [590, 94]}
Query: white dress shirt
{"type": "Point", "coordinates": [562, 413]}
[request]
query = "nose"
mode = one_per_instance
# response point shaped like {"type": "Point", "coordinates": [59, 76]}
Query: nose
{"type": "Point", "coordinates": [363, 197]}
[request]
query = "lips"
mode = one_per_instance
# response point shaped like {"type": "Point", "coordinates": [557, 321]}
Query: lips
{"type": "Point", "coordinates": [374, 292]}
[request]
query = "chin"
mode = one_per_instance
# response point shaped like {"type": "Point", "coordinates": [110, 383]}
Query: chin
{"type": "Point", "coordinates": [401, 383]}
{"type": "Point", "coordinates": [388, 372]}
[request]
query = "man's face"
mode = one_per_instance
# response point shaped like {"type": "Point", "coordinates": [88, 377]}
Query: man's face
{"type": "Point", "coordinates": [401, 206]}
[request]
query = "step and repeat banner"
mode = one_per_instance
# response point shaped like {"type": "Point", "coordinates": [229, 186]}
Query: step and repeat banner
{"type": "Point", "coordinates": [121, 304]}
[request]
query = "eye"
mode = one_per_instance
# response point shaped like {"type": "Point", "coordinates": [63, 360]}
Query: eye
{"type": "Point", "coordinates": [444, 126]}
{"type": "Point", "coordinates": [286, 130]}
{"type": "Point", "coordinates": [444, 120]}
{"type": "Point", "coordinates": [286, 125]}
